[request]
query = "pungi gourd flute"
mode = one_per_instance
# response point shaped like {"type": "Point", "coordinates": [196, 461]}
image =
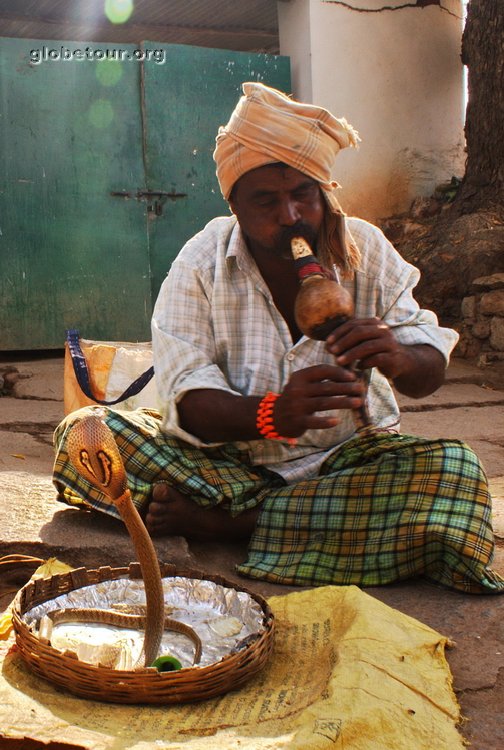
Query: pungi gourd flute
{"type": "Point", "coordinates": [322, 304]}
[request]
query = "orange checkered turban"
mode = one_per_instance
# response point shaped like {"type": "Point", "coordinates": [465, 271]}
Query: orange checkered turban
{"type": "Point", "coordinates": [267, 127]}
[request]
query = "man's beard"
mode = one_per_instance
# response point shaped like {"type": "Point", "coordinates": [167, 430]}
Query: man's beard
{"type": "Point", "coordinates": [282, 242]}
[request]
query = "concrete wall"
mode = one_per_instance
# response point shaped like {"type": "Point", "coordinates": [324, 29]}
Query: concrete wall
{"type": "Point", "coordinates": [396, 75]}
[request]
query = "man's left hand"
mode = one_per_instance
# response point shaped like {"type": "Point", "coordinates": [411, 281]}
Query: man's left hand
{"type": "Point", "coordinates": [370, 342]}
{"type": "Point", "coordinates": [416, 370]}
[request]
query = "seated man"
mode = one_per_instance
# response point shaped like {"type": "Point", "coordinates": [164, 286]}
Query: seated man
{"type": "Point", "coordinates": [319, 501]}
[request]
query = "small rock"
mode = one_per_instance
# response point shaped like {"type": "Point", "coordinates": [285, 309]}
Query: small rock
{"type": "Point", "coordinates": [468, 346]}
{"type": "Point", "coordinates": [488, 283]}
{"type": "Point", "coordinates": [424, 207]}
{"type": "Point", "coordinates": [10, 378]}
{"type": "Point", "coordinates": [490, 358]}
{"type": "Point", "coordinates": [481, 329]}
{"type": "Point", "coordinates": [410, 227]}
{"type": "Point", "coordinates": [497, 334]}
{"type": "Point", "coordinates": [492, 303]}
{"type": "Point", "coordinates": [468, 308]}
{"type": "Point", "coordinates": [393, 231]}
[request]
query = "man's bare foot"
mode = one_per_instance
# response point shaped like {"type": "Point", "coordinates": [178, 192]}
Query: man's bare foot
{"type": "Point", "coordinates": [174, 514]}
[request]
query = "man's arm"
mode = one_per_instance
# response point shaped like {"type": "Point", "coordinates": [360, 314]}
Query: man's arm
{"type": "Point", "coordinates": [416, 370]}
{"type": "Point", "coordinates": [216, 416]}
{"type": "Point", "coordinates": [422, 370]}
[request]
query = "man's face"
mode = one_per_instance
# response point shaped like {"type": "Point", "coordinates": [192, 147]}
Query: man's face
{"type": "Point", "coordinates": [275, 203]}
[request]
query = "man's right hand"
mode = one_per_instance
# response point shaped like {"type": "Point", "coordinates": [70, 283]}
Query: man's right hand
{"type": "Point", "coordinates": [315, 389]}
{"type": "Point", "coordinates": [216, 416]}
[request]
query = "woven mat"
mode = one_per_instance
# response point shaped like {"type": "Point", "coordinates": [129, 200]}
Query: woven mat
{"type": "Point", "coordinates": [347, 672]}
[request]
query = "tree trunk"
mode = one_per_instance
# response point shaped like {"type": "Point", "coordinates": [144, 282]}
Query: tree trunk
{"type": "Point", "coordinates": [483, 53]}
{"type": "Point", "coordinates": [465, 242]}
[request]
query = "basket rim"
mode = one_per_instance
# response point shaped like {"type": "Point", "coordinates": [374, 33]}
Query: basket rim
{"type": "Point", "coordinates": [42, 657]}
{"type": "Point", "coordinates": [79, 576]}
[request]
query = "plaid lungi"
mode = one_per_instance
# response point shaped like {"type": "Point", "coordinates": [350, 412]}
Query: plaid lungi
{"type": "Point", "coordinates": [385, 507]}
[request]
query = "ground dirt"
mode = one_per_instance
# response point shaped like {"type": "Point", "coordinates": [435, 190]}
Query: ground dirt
{"type": "Point", "coordinates": [451, 252]}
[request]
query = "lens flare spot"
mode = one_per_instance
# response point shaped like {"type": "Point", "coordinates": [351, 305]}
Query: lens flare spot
{"type": "Point", "coordinates": [118, 11]}
{"type": "Point", "coordinates": [109, 72]}
{"type": "Point", "coordinates": [101, 113]}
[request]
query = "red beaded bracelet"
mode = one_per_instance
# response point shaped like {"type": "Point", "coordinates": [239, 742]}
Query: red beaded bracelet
{"type": "Point", "coordinates": [264, 421]}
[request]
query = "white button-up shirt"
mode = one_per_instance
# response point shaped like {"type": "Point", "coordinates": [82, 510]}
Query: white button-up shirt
{"type": "Point", "coordinates": [215, 325]}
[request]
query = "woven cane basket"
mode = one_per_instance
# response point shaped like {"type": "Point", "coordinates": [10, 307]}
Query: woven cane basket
{"type": "Point", "coordinates": [145, 685]}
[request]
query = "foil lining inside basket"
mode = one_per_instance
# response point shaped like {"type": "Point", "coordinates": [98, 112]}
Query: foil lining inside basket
{"type": "Point", "coordinates": [225, 619]}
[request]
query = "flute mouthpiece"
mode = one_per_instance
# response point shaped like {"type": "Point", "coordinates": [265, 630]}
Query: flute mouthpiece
{"type": "Point", "coordinates": [300, 248]}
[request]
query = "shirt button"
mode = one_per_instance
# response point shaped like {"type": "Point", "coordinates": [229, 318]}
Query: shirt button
{"type": "Point", "coordinates": [290, 356]}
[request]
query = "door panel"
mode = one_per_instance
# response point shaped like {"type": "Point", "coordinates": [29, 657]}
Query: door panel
{"type": "Point", "coordinates": [70, 254]}
{"type": "Point", "coordinates": [186, 100]}
{"type": "Point", "coordinates": [79, 248]}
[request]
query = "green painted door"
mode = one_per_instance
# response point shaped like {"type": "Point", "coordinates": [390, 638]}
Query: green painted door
{"type": "Point", "coordinates": [186, 101]}
{"type": "Point", "coordinates": [70, 256]}
{"type": "Point", "coordinates": [108, 171]}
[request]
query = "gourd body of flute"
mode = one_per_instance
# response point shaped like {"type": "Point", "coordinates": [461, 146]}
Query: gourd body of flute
{"type": "Point", "coordinates": [321, 303]}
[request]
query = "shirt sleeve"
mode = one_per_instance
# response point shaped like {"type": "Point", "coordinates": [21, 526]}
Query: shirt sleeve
{"type": "Point", "coordinates": [386, 283]}
{"type": "Point", "coordinates": [183, 343]}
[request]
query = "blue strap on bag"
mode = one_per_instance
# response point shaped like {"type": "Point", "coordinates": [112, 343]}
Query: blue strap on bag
{"type": "Point", "coordinates": [82, 374]}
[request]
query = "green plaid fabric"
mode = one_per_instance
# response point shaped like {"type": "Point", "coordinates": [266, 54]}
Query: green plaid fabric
{"type": "Point", "coordinates": [386, 507]}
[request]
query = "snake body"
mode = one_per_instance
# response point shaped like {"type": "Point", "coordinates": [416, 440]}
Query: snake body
{"type": "Point", "coordinates": [123, 620]}
{"type": "Point", "coordinates": [94, 454]}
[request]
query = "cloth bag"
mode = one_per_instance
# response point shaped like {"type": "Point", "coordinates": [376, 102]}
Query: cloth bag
{"type": "Point", "coordinates": [109, 373]}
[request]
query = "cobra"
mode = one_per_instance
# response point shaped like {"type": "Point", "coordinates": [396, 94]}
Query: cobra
{"type": "Point", "coordinates": [95, 455]}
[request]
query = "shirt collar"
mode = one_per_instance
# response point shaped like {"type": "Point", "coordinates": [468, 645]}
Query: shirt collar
{"type": "Point", "coordinates": [238, 254]}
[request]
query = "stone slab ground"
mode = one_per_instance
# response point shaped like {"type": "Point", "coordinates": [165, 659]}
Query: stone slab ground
{"type": "Point", "coordinates": [469, 406]}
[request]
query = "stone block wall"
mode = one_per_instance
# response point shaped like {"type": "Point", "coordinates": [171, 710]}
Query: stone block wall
{"type": "Point", "coordinates": [482, 329]}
